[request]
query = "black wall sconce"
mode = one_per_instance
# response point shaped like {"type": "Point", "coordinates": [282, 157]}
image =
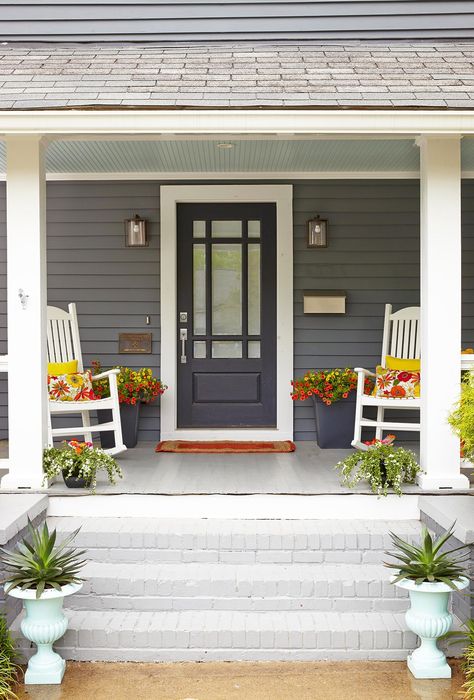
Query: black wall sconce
{"type": "Point", "coordinates": [135, 233]}
{"type": "Point", "coordinates": [317, 233]}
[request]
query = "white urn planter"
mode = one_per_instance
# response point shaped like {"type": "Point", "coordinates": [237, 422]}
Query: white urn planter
{"type": "Point", "coordinates": [429, 618]}
{"type": "Point", "coordinates": [44, 623]}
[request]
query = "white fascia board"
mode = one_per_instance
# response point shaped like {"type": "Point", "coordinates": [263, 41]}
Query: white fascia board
{"type": "Point", "coordinates": [245, 121]}
{"type": "Point", "coordinates": [224, 176]}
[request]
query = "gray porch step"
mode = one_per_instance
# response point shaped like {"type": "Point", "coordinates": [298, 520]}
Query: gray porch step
{"type": "Point", "coordinates": [237, 541]}
{"type": "Point", "coordinates": [223, 635]}
{"type": "Point", "coordinates": [265, 587]}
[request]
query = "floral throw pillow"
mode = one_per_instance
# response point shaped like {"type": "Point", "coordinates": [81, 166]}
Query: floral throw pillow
{"type": "Point", "coordinates": [396, 384]}
{"type": "Point", "coordinates": [71, 387]}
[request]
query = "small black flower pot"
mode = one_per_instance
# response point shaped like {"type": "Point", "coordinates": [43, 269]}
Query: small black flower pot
{"type": "Point", "coordinates": [75, 482]}
{"type": "Point", "coordinates": [129, 417]}
{"type": "Point", "coordinates": [335, 423]}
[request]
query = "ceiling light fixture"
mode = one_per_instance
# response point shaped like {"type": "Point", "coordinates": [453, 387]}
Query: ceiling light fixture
{"type": "Point", "coordinates": [225, 146]}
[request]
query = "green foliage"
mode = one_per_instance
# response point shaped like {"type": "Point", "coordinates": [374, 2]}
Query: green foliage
{"type": "Point", "coordinates": [42, 564]}
{"type": "Point", "coordinates": [468, 664]}
{"type": "Point", "coordinates": [80, 459]}
{"type": "Point", "coordinates": [383, 466]}
{"type": "Point", "coordinates": [461, 419]}
{"type": "Point", "coordinates": [426, 563]}
{"type": "Point", "coordinates": [9, 670]}
{"type": "Point", "coordinates": [466, 635]}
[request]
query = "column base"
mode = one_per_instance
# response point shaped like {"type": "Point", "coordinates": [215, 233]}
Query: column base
{"type": "Point", "coordinates": [49, 674]}
{"type": "Point", "coordinates": [443, 481]}
{"type": "Point", "coordinates": [430, 670]}
{"type": "Point", "coordinates": [21, 481]}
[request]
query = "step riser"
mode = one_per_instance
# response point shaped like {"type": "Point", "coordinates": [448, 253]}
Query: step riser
{"type": "Point", "coordinates": [255, 604]}
{"type": "Point", "coordinates": [208, 556]}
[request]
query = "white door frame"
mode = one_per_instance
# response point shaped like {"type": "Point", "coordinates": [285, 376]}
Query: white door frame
{"type": "Point", "coordinates": [282, 196]}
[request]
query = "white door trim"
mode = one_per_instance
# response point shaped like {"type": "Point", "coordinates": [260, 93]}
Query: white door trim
{"type": "Point", "coordinates": [282, 196]}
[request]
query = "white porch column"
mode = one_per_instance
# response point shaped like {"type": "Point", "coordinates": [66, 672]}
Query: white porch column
{"type": "Point", "coordinates": [26, 271]}
{"type": "Point", "coordinates": [440, 309]}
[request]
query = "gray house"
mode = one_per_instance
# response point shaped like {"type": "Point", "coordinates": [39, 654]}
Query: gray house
{"type": "Point", "coordinates": [228, 127]}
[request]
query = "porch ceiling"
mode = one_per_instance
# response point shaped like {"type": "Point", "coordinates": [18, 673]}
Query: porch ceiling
{"type": "Point", "coordinates": [258, 155]}
{"type": "Point", "coordinates": [241, 155]}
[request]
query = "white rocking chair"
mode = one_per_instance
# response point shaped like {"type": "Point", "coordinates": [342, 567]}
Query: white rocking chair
{"type": "Point", "coordinates": [64, 345]}
{"type": "Point", "coordinates": [401, 333]}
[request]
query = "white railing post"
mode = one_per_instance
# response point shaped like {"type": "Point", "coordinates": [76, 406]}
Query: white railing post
{"type": "Point", "coordinates": [26, 284]}
{"type": "Point", "coordinates": [440, 309]}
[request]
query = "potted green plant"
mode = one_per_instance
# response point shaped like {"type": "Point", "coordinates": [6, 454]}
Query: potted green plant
{"type": "Point", "coordinates": [79, 462]}
{"type": "Point", "coordinates": [42, 572]}
{"type": "Point", "coordinates": [9, 669]}
{"type": "Point", "coordinates": [429, 575]}
{"type": "Point", "coordinates": [382, 464]}
{"type": "Point", "coordinates": [332, 392]}
{"type": "Point", "coordinates": [135, 387]}
{"type": "Point", "coordinates": [461, 418]}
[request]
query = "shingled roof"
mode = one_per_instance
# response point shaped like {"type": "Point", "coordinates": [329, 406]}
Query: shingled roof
{"type": "Point", "coordinates": [311, 75]}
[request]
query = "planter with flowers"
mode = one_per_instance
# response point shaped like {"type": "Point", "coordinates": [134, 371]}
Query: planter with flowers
{"type": "Point", "coordinates": [332, 392]}
{"type": "Point", "coordinates": [135, 387]}
{"type": "Point", "coordinates": [79, 462]}
{"type": "Point", "coordinates": [382, 465]}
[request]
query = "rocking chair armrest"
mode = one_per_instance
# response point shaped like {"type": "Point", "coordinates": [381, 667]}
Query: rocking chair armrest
{"type": "Point", "coordinates": [107, 373]}
{"type": "Point", "coordinates": [367, 372]}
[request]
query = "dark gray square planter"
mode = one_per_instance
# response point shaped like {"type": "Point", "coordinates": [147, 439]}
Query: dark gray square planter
{"type": "Point", "coordinates": [129, 417]}
{"type": "Point", "coordinates": [335, 423]}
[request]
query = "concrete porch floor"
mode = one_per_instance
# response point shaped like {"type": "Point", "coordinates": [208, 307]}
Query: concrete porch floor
{"type": "Point", "coordinates": [245, 681]}
{"type": "Point", "coordinates": [307, 471]}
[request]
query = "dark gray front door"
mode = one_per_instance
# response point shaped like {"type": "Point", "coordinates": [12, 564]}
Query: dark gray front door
{"type": "Point", "coordinates": [226, 315]}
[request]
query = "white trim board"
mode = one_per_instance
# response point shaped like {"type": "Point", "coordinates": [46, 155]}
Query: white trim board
{"type": "Point", "coordinates": [252, 507]}
{"type": "Point", "coordinates": [231, 121]}
{"type": "Point", "coordinates": [221, 175]}
{"type": "Point", "coordinates": [282, 196]}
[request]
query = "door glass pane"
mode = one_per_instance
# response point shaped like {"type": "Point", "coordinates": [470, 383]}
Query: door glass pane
{"type": "Point", "coordinates": [226, 348]}
{"type": "Point", "coordinates": [199, 229]}
{"type": "Point", "coordinates": [226, 229]}
{"type": "Point", "coordinates": [254, 229]}
{"type": "Point", "coordinates": [254, 348]}
{"type": "Point", "coordinates": [199, 288]}
{"type": "Point", "coordinates": [199, 349]}
{"type": "Point", "coordinates": [227, 289]}
{"type": "Point", "coordinates": [254, 289]}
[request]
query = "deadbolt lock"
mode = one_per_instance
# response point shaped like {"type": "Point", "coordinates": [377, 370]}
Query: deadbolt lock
{"type": "Point", "coordinates": [183, 316]}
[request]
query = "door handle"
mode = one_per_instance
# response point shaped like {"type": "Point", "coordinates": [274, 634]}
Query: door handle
{"type": "Point", "coordinates": [183, 336]}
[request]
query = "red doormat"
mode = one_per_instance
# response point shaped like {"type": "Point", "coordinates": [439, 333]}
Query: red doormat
{"type": "Point", "coordinates": [224, 446]}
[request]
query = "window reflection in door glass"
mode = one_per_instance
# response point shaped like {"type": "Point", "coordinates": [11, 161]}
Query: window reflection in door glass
{"type": "Point", "coordinates": [227, 289]}
{"type": "Point", "coordinates": [199, 288]}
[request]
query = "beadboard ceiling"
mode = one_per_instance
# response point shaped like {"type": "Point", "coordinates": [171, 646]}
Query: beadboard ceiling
{"type": "Point", "coordinates": [252, 156]}
{"type": "Point", "coordinates": [259, 155]}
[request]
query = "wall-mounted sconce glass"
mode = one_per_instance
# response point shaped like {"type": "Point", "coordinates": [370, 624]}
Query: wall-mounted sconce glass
{"type": "Point", "coordinates": [317, 233]}
{"type": "Point", "coordinates": [135, 233]}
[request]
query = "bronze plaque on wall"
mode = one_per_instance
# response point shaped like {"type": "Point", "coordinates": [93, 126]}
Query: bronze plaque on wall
{"type": "Point", "coordinates": [135, 343]}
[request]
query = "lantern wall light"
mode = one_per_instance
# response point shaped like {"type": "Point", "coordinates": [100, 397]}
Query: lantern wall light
{"type": "Point", "coordinates": [135, 233]}
{"type": "Point", "coordinates": [317, 233]}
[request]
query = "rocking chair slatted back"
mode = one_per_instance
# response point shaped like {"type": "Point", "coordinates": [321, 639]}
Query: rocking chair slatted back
{"type": "Point", "coordinates": [63, 342]}
{"type": "Point", "coordinates": [401, 333]}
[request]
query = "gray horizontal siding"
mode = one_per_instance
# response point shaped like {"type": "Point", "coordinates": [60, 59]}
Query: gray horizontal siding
{"type": "Point", "coordinates": [373, 254]}
{"type": "Point", "coordinates": [196, 20]}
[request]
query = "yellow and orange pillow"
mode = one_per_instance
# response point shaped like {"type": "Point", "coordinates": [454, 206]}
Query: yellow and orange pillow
{"type": "Point", "coordinates": [400, 379]}
{"type": "Point", "coordinates": [65, 383]}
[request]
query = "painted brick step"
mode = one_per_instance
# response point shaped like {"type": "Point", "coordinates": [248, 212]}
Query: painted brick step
{"type": "Point", "coordinates": [155, 587]}
{"type": "Point", "coordinates": [220, 635]}
{"type": "Point", "coordinates": [242, 541]}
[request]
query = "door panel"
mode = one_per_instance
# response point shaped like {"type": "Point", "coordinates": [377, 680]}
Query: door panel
{"type": "Point", "coordinates": [226, 315]}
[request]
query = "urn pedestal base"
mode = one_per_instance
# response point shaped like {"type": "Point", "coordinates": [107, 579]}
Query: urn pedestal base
{"type": "Point", "coordinates": [435, 666]}
{"type": "Point", "coordinates": [45, 668]}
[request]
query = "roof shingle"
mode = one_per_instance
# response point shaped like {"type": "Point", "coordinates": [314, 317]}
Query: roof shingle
{"type": "Point", "coordinates": [308, 74]}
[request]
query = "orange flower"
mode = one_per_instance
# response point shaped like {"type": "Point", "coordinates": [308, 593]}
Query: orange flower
{"type": "Point", "coordinates": [397, 392]}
